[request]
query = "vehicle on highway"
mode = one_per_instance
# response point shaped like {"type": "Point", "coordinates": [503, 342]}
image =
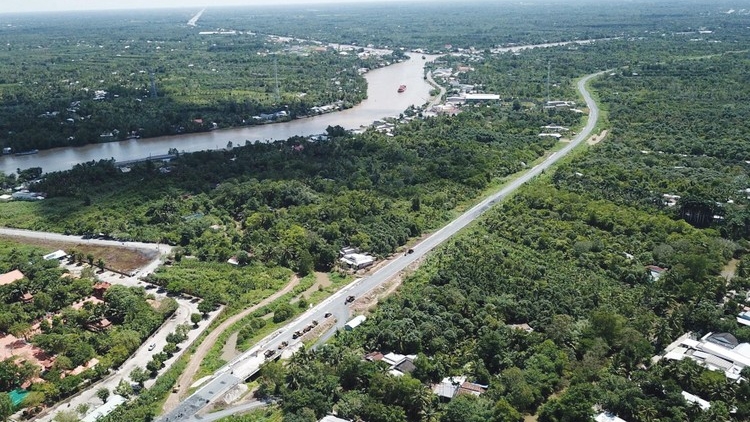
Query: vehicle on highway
{"type": "Point", "coordinates": [151, 346]}
{"type": "Point", "coordinates": [269, 353]}
{"type": "Point", "coordinates": [314, 323]}
{"type": "Point", "coordinates": [297, 334]}
{"type": "Point", "coordinates": [283, 345]}
{"type": "Point", "coordinates": [328, 314]}
{"type": "Point", "coordinates": [410, 251]}
{"type": "Point", "coordinates": [349, 299]}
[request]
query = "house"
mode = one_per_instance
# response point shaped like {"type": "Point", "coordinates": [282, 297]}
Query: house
{"type": "Point", "coordinates": [523, 327]}
{"type": "Point", "coordinates": [355, 322]}
{"type": "Point", "coordinates": [450, 387]}
{"type": "Point", "coordinates": [58, 254]}
{"type": "Point", "coordinates": [331, 418]}
{"type": "Point", "coordinates": [405, 367]}
{"type": "Point", "coordinates": [744, 318]}
{"type": "Point", "coordinates": [607, 417]}
{"type": "Point", "coordinates": [693, 399]}
{"type": "Point", "coordinates": [27, 298]}
{"type": "Point", "coordinates": [357, 261]}
{"type": "Point", "coordinates": [471, 388]}
{"type": "Point", "coordinates": [11, 277]}
{"type": "Point", "coordinates": [655, 272]}
{"type": "Point", "coordinates": [100, 288]}
{"type": "Point", "coordinates": [716, 352]}
{"type": "Point", "coordinates": [374, 357]}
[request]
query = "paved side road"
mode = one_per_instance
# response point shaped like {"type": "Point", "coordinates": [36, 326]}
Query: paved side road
{"type": "Point", "coordinates": [161, 248]}
{"type": "Point", "coordinates": [238, 370]}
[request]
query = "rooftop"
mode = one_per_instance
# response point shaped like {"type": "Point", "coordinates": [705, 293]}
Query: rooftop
{"type": "Point", "coordinates": [10, 277]}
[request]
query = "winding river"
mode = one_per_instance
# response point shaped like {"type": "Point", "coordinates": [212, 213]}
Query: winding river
{"type": "Point", "coordinates": [383, 100]}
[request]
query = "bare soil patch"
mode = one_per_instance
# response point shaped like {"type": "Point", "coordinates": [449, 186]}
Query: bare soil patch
{"type": "Point", "coordinates": [229, 351]}
{"type": "Point", "coordinates": [371, 299]}
{"type": "Point", "coordinates": [120, 259]}
{"type": "Point", "coordinates": [595, 139]}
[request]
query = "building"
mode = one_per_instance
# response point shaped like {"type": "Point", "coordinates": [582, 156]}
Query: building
{"type": "Point", "coordinates": [744, 318]}
{"type": "Point", "coordinates": [58, 254]}
{"type": "Point", "coordinates": [608, 417]}
{"type": "Point", "coordinates": [655, 272]}
{"type": "Point", "coordinates": [716, 352]}
{"type": "Point", "coordinates": [355, 322]}
{"type": "Point", "coordinates": [523, 327]}
{"type": "Point", "coordinates": [100, 289]}
{"type": "Point", "coordinates": [450, 387]}
{"type": "Point", "coordinates": [357, 261]}
{"type": "Point", "coordinates": [108, 407]}
{"type": "Point", "coordinates": [331, 418]}
{"type": "Point", "coordinates": [693, 399]}
{"type": "Point", "coordinates": [474, 98]}
{"type": "Point", "coordinates": [11, 277]}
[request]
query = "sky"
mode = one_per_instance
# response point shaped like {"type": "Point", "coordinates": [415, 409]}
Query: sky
{"type": "Point", "coordinates": [10, 6]}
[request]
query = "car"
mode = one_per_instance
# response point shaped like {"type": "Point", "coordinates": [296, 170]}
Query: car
{"type": "Point", "coordinates": [349, 299]}
{"type": "Point", "coordinates": [327, 315]}
{"type": "Point", "coordinates": [314, 323]}
{"type": "Point", "coordinates": [151, 346]}
{"type": "Point", "coordinates": [269, 353]}
{"type": "Point", "coordinates": [150, 287]}
{"type": "Point", "coordinates": [283, 345]}
{"type": "Point", "coordinates": [297, 334]}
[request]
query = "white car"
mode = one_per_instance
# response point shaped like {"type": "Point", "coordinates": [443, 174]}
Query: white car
{"type": "Point", "coordinates": [151, 346]}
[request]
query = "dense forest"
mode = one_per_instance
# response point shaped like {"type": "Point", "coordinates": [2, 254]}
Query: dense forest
{"type": "Point", "coordinates": [546, 304]}
{"type": "Point", "coordinates": [151, 76]}
{"type": "Point", "coordinates": [568, 257]}
{"type": "Point", "coordinates": [296, 203]}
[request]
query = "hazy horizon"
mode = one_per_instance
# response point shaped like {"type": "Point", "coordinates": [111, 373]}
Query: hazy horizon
{"type": "Point", "coordinates": [84, 5]}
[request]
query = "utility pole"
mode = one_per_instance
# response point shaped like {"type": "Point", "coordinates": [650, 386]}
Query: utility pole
{"type": "Point", "coordinates": [549, 71]}
{"type": "Point", "coordinates": [276, 76]}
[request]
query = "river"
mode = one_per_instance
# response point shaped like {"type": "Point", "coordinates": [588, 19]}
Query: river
{"type": "Point", "coordinates": [382, 101]}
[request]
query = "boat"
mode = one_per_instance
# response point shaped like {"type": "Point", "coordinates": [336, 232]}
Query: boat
{"type": "Point", "coordinates": [29, 152]}
{"type": "Point", "coordinates": [402, 88]}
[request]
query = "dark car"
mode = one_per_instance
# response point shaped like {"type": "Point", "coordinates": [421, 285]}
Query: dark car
{"type": "Point", "coordinates": [349, 299]}
{"type": "Point", "coordinates": [328, 314]}
{"type": "Point", "coordinates": [269, 353]}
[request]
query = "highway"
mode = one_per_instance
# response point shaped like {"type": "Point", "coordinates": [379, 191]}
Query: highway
{"type": "Point", "coordinates": [247, 364]}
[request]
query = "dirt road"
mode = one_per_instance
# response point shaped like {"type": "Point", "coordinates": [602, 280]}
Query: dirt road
{"type": "Point", "coordinates": [186, 378]}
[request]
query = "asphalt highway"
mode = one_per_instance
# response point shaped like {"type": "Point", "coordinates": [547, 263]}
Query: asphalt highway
{"type": "Point", "coordinates": [247, 364]}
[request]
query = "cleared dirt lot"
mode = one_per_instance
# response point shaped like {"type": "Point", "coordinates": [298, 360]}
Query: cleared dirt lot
{"type": "Point", "coordinates": [122, 259]}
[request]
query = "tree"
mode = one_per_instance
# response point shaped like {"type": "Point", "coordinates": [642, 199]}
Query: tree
{"type": "Point", "coordinates": [6, 406]}
{"type": "Point", "coordinates": [282, 312]}
{"type": "Point", "coordinates": [100, 264]}
{"type": "Point", "coordinates": [124, 389]}
{"type": "Point", "coordinates": [139, 375]}
{"type": "Point", "coordinates": [195, 318]}
{"type": "Point", "coordinates": [103, 393]}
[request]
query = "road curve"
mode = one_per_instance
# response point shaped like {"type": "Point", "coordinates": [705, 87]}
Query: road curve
{"type": "Point", "coordinates": [248, 363]}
